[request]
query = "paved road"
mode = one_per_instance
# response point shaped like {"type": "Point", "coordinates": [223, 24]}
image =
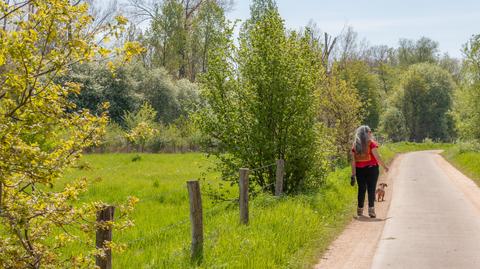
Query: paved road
{"type": "Point", "coordinates": [434, 217]}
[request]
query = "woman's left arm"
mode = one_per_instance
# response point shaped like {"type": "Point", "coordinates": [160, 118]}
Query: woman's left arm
{"type": "Point", "coordinates": [379, 159]}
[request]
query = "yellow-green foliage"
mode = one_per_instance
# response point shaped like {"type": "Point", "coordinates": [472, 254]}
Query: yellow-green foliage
{"type": "Point", "coordinates": [41, 133]}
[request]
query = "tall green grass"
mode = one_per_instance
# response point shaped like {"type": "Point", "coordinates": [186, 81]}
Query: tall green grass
{"type": "Point", "coordinates": [289, 232]}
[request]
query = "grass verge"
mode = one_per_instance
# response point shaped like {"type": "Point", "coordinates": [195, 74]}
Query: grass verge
{"type": "Point", "coordinates": [466, 159]}
{"type": "Point", "coordinates": [389, 151]}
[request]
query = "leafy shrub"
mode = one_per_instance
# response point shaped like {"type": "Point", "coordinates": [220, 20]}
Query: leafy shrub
{"type": "Point", "coordinates": [136, 158]}
{"type": "Point", "coordinates": [468, 146]}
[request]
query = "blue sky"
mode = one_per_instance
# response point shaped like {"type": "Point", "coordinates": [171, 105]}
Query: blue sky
{"type": "Point", "coordinates": [450, 22]}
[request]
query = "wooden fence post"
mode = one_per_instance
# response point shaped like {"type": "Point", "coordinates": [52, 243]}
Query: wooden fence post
{"type": "Point", "coordinates": [243, 199]}
{"type": "Point", "coordinates": [196, 219]}
{"type": "Point", "coordinates": [279, 177]}
{"type": "Point", "coordinates": [104, 235]}
{"type": "Point", "coordinates": [1, 193]}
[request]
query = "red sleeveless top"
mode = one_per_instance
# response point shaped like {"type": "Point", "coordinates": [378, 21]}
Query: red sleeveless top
{"type": "Point", "coordinates": [366, 159]}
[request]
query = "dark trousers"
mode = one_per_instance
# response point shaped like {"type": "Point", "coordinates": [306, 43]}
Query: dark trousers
{"type": "Point", "coordinates": [367, 181]}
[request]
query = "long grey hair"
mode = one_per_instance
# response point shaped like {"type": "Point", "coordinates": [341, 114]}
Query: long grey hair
{"type": "Point", "coordinates": [361, 139]}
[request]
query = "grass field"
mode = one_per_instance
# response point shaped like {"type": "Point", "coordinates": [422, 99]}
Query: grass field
{"type": "Point", "coordinates": [290, 232]}
{"type": "Point", "coordinates": [283, 233]}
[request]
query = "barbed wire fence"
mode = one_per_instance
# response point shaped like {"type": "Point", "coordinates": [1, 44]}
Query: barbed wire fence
{"type": "Point", "coordinates": [197, 214]}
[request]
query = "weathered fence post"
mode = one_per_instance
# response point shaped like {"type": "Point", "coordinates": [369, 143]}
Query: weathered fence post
{"type": "Point", "coordinates": [196, 218]}
{"type": "Point", "coordinates": [1, 192]}
{"type": "Point", "coordinates": [280, 173]}
{"type": "Point", "coordinates": [104, 235]}
{"type": "Point", "coordinates": [243, 199]}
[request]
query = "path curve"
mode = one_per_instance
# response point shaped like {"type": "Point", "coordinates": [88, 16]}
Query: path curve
{"type": "Point", "coordinates": [433, 221]}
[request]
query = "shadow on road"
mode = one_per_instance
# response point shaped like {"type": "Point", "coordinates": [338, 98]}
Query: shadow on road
{"type": "Point", "coordinates": [368, 219]}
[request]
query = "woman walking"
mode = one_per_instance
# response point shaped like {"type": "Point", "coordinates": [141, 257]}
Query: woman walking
{"type": "Point", "coordinates": [365, 161]}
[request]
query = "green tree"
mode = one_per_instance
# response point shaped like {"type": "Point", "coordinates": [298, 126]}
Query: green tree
{"type": "Point", "coordinates": [388, 76]}
{"type": "Point", "coordinates": [424, 50]}
{"type": "Point", "coordinates": [340, 109]}
{"type": "Point", "coordinates": [206, 33]}
{"type": "Point", "coordinates": [452, 65]}
{"type": "Point", "coordinates": [181, 33]}
{"type": "Point", "coordinates": [358, 76]}
{"type": "Point", "coordinates": [393, 125]}
{"type": "Point", "coordinates": [425, 99]}
{"type": "Point", "coordinates": [128, 87]}
{"type": "Point", "coordinates": [382, 61]}
{"type": "Point", "coordinates": [158, 89]}
{"type": "Point", "coordinates": [41, 134]}
{"type": "Point", "coordinates": [188, 97]}
{"type": "Point", "coordinates": [100, 85]}
{"type": "Point", "coordinates": [118, 89]}
{"type": "Point", "coordinates": [168, 36]}
{"type": "Point", "coordinates": [467, 98]}
{"type": "Point", "coordinates": [265, 109]}
{"type": "Point", "coordinates": [260, 8]}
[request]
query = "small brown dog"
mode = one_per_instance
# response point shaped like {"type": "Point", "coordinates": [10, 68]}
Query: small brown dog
{"type": "Point", "coordinates": [381, 191]}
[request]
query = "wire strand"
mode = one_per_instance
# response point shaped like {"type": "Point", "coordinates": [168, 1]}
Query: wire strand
{"type": "Point", "coordinates": [263, 167]}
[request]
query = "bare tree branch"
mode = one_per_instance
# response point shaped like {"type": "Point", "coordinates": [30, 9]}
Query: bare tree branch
{"type": "Point", "coordinates": [140, 8]}
{"type": "Point", "coordinates": [16, 7]}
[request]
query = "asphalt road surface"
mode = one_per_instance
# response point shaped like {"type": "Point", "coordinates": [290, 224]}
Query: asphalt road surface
{"type": "Point", "coordinates": [431, 219]}
{"type": "Point", "coordinates": [435, 221]}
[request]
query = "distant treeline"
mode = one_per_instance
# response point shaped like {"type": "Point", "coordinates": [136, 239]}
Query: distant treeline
{"type": "Point", "coordinates": [409, 92]}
